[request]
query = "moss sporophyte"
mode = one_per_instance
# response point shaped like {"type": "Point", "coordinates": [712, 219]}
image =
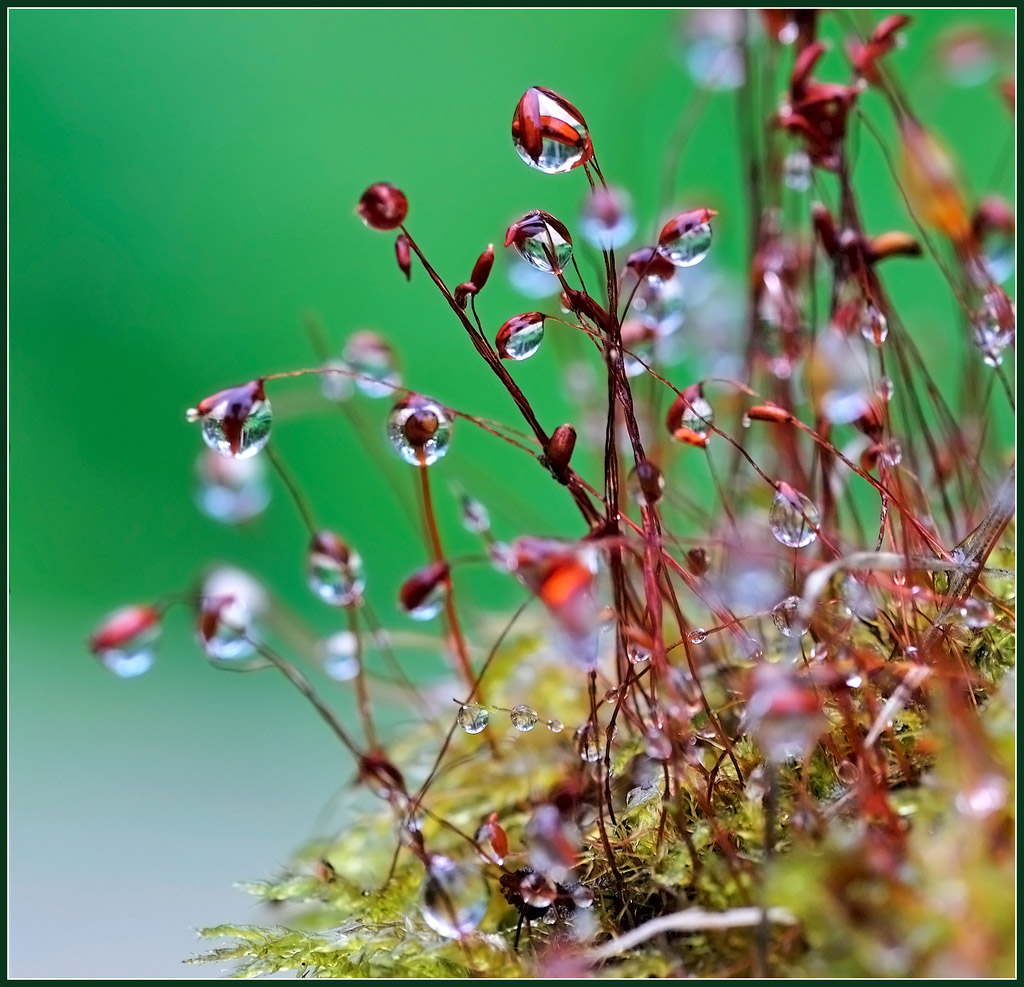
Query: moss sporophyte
{"type": "Point", "coordinates": [754, 711]}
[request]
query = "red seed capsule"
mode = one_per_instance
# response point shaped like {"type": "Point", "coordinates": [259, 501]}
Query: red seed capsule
{"type": "Point", "coordinates": [482, 267]}
{"type": "Point", "coordinates": [559, 450]}
{"type": "Point", "coordinates": [403, 255]}
{"type": "Point", "coordinates": [383, 207]}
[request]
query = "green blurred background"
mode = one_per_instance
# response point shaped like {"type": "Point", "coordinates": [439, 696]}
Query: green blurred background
{"type": "Point", "coordinates": [182, 188]}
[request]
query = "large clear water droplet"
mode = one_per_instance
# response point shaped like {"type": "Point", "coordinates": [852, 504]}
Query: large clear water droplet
{"type": "Point", "coordinates": [520, 337]}
{"type": "Point", "coordinates": [340, 656]}
{"type": "Point", "coordinates": [235, 422]}
{"type": "Point", "coordinates": [786, 617]}
{"type": "Point", "coordinates": [371, 357]}
{"type": "Point", "coordinates": [685, 239]}
{"type": "Point", "coordinates": [453, 898]}
{"type": "Point", "coordinates": [542, 241]}
{"type": "Point", "coordinates": [336, 577]}
{"type": "Point", "coordinates": [793, 517]}
{"type": "Point", "coordinates": [524, 718]}
{"type": "Point", "coordinates": [420, 429]}
{"type": "Point", "coordinates": [473, 719]}
{"type": "Point", "coordinates": [126, 640]}
{"type": "Point", "coordinates": [549, 133]}
{"type": "Point", "coordinates": [231, 491]}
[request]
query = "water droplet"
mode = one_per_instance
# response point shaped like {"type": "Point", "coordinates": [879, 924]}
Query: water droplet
{"type": "Point", "coordinates": [611, 695]}
{"type": "Point", "coordinates": [713, 52]}
{"type": "Point", "coordinates": [340, 656]}
{"type": "Point", "coordinates": [231, 491]}
{"type": "Point", "coordinates": [537, 890]}
{"type": "Point", "coordinates": [335, 382]}
{"type": "Point", "coordinates": [454, 898]}
{"type": "Point", "coordinates": [235, 422]}
{"type": "Point", "coordinates": [885, 389]}
{"type": "Point", "coordinates": [473, 719]}
{"type": "Point", "coordinates": [967, 55]}
{"type": "Point", "coordinates": [420, 429]}
{"type": "Point", "coordinates": [984, 796]}
{"type": "Point", "coordinates": [645, 483]}
{"type": "Point", "coordinates": [124, 643]}
{"type": "Point", "coordinates": [745, 421]}
{"type": "Point", "coordinates": [697, 636]}
{"type": "Point", "coordinates": [994, 327]}
{"type": "Point", "coordinates": [549, 133]}
{"type": "Point", "coordinates": [786, 617]}
{"type": "Point", "coordinates": [637, 654]}
{"type": "Point", "coordinates": [690, 413]}
{"type": "Point", "coordinates": [977, 614]}
{"type": "Point", "coordinates": [686, 239]}
{"type": "Point", "coordinates": [370, 357]}
{"type": "Point", "coordinates": [475, 517]}
{"type": "Point", "coordinates": [520, 337]}
{"type": "Point", "coordinates": [793, 517]}
{"type": "Point", "coordinates": [854, 681]}
{"type": "Point", "coordinates": [524, 718]}
{"type": "Point", "coordinates": [874, 326]}
{"type": "Point", "coordinates": [606, 219]}
{"type": "Point", "coordinates": [892, 453]}
{"type": "Point", "coordinates": [797, 171]}
{"type": "Point", "coordinates": [658, 744]}
{"type": "Point", "coordinates": [784, 712]}
{"type": "Point", "coordinates": [541, 240]}
{"type": "Point", "coordinates": [555, 726]}
{"type": "Point", "coordinates": [1000, 255]}
{"type": "Point", "coordinates": [587, 744]}
{"type": "Point", "coordinates": [847, 772]}
{"type": "Point", "coordinates": [334, 571]}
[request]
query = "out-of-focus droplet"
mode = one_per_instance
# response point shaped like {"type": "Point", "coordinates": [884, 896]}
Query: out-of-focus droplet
{"type": "Point", "coordinates": [606, 218]}
{"type": "Point", "coordinates": [235, 422]}
{"type": "Point", "coordinates": [541, 240]}
{"type": "Point", "coordinates": [420, 429]}
{"type": "Point", "coordinates": [686, 239]}
{"type": "Point", "coordinates": [839, 376]}
{"type": "Point", "coordinates": [335, 380]}
{"type": "Point", "coordinates": [587, 743]}
{"type": "Point", "coordinates": [549, 133]}
{"type": "Point", "coordinates": [231, 491]}
{"type": "Point", "coordinates": [531, 282]}
{"type": "Point", "coordinates": [713, 48]}
{"type": "Point", "coordinates": [645, 483]}
{"type": "Point", "coordinates": [793, 517]}
{"type": "Point", "coordinates": [125, 642]}
{"type": "Point", "coordinates": [491, 840]}
{"type": "Point", "coordinates": [977, 614]}
{"type": "Point", "coordinates": [784, 712]}
{"type": "Point", "coordinates": [982, 796]}
{"type": "Point", "coordinates": [658, 744]}
{"type": "Point", "coordinates": [334, 571]}
{"type": "Point", "coordinates": [885, 389]}
{"type": "Point", "coordinates": [473, 718]}
{"type": "Point", "coordinates": [797, 171]}
{"type": "Point", "coordinates": [555, 726]}
{"type": "Point", "coordinates": [786, 617]}
{"type": "Point", "coordinates": [552, 841]}
{"type": "Point", "coordinates": [524, 718]}
{"type": "Point", "coordinates": [874, 326]}
{"type": "Point", "coordinates": [370, 357]}
{"type": "Point", "coordinates": [967, 55]}
{"type": "Point", "coordinates": [454, 897]}
{"type": "Point", "coordinates": [230, 602]}
{"type": "Point", "coordinates": [475, 517]}
{"type": "Point", "coordinates": [520, 337]}
{"type": "Point", "coordinates": [340, 656]}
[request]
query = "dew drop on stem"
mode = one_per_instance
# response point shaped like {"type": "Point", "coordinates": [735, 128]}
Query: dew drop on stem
{"type": "Point", "coordinates": [453, 897]}
{"type": "Point", "coordinates": [235, 422]}
{"type": "Point", "coordinates": [420, 429]}
{"type": "Point", "coordinates": [524, 718]}
{"type": "Point", "coordinates": [473, 719]}
{"type": "Point", "coordinates": [793, 517]}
